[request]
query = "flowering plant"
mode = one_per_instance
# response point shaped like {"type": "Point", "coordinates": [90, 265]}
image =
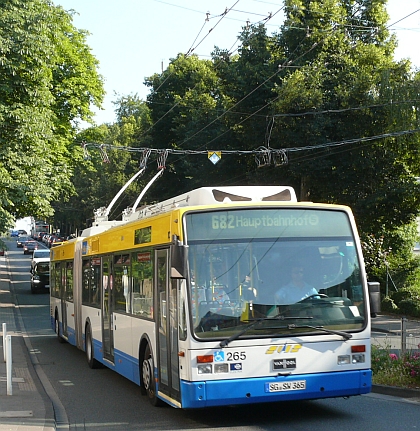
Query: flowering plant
{"type": "Point", "coordinates": [412, 364]}
{"type": "Point", "coordinates": [393, 370]}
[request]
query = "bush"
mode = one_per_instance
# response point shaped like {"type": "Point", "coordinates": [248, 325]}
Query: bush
{"type": "Point", "coordinates": [405, 301]}
{"type": "Point", "coordinates": [392, 370]}
{"type": "Point", "coordinates": [391, 253]}
{"type": "Point", "coordinates": [409, 307]}
{"type": "Point", "coordinates": [389, 305]}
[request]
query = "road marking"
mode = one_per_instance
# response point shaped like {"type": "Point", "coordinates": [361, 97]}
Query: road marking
{"type": "Point", "coordinates": [17, 414]}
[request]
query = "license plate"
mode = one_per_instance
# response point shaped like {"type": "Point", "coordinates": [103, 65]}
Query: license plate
{"type": "Point", "coordinates": [294, 385]}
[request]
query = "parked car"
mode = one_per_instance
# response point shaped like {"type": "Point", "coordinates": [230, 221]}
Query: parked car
{"type": "Point", "coordinates": [21, 240]}
{"type": "Point", "coordinates": [14, 233]}
{"type": "Point", "coordinates": [29, 247]}
{"type": "Point", "coordinates": [22, 232]}
{"type": "Point", "coordinates": [40, 277]}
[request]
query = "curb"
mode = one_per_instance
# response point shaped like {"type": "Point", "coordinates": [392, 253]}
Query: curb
{"type": "Point", "coordinates": [395, 391]}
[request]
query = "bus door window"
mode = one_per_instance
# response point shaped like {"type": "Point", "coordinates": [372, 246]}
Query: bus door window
{"type": "Point", "coordinates": [161, 280]}
{"type": "Point", "coordinates": [90, 282]}
{"type": "Point", "coordinates": [173, 327]}
{"type": "Point", "coordinates": [142, 284]}
{"type": "Point", "coordinates": [107, 309]}
{"type": "Point", "coordinates": [86, 276]}
{"type": "Point", "coordinates": [167, 322]}
{"type": "Point", "coordinates": [182, 320]}
{"type": "Point", "coordinates": [55, 279]}
{"type": "Point", "coordinates": [121, 282]}
{"type": "Point", "coordinates": [69, 281]}
{"type": "Point", "coordinates": [105, 287]}
{"type": "Point", "coordinates": [95, 282]}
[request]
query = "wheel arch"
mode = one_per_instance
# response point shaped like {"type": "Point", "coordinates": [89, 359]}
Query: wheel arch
{"type": "Point", "coordinates": [144, 342]}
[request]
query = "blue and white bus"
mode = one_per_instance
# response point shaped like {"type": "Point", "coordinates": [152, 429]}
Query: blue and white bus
{"type": "Point", "coordinates": [187, 298]}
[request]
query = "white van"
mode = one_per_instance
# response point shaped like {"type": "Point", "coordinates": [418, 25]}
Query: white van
{"type": "Point", "coordinates": [40, 255]}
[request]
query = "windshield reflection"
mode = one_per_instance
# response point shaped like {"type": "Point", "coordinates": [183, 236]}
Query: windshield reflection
{"type": "Point", "coordinates": [312, 282]}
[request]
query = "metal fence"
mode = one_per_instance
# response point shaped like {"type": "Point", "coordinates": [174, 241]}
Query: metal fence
{"type": "Point", "coordinates": [400, 334]}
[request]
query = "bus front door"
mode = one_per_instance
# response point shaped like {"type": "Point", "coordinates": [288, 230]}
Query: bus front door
{"type": "Point", "coordinates": [107, 309]}
{"type": "Point", "coordinates": [63, 283]}
{"type": "Point", "coordinates": [167, 327]}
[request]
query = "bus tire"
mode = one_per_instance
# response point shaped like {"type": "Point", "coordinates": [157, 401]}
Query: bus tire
{"type": "Point", "coordinates": [148, 378]}
{"type": "Point", "coordinates": [90, 351]}
{"type": "Point", "coordinates": [57, 329]}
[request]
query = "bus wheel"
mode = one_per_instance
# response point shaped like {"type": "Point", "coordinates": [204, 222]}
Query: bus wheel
{"type": "Point", "coordinates": [148, 378]}
{"type": "Point", "coordinates": [57, 330]}
{"type": "Point", "coordinates": [90, 356]}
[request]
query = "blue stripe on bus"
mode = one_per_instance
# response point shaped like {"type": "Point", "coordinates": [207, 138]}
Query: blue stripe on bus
{"type": "Point", "coordinates": [127, 366]}
{"type": "Point", "coordinates": [252, 390]}
{"type": "Point", "coordinates": [71, 336]}
{"type": "Point", "coordinates": [248, 390]}
{"type": "Point", "coordinates": [124, 364]}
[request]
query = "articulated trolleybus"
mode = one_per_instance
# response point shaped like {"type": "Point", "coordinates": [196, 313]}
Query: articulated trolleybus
{"type": "Point", "coordinates": [188, 298]}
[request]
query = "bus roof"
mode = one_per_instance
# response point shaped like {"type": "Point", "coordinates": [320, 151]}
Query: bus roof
{"type": "Point", "coordinates": [218, 195]}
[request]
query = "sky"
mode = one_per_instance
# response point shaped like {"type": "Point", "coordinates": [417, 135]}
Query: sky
{"type": "Point", "coordinates": [133, 39]}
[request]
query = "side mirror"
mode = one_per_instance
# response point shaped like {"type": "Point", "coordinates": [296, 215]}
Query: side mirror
{"type": "Point", "coordinates": [179, 259]}
{"type": "Point", "coordinates": [374, 297]}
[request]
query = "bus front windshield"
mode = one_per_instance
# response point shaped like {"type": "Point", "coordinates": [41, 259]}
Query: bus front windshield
{"type": "Point", "coordinates": [273, 274]}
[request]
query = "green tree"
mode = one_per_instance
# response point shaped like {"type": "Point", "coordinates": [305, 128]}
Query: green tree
{"type": "Point", "coordinates": [247, 82]}
{"type": "Point", "coordinates": [344, 88]}
{"type": "Point", "coordinates": [185, 101]}
{"type": "Point", "coordinates": [48, 82]}
{"type": "Point", "coordinates": [100, 173]}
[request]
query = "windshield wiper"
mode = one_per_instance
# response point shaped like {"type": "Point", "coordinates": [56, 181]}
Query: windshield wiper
{"type": "Point", "coordinates": [345, 335]}
{"type": "Point", "coordinates": [255, 323]}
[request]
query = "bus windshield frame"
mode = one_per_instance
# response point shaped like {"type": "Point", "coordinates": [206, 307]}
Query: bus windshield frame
{"type": "Point", "coordinates": [241, 264]}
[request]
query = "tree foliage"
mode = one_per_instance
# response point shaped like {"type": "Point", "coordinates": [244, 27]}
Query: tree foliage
{"type": "Point", "coordinates": [48, 81]}
{"type": "Point", "coordinates": [346, 88]}
{"type": "Point", "coordinates": [99, 175]}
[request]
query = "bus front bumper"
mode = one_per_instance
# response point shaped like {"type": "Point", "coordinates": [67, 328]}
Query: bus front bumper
{"type": "Point", "coordinates": [257, 390]}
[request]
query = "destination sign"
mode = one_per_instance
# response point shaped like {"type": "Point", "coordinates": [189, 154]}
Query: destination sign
{"type": "Point", "coordinates": [232, 222]}
{"type": "Point", "coordinates": [266, 223]}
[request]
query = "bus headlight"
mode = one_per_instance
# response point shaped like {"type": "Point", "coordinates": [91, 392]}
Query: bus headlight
{"type": "Point", "coordinates": [343, 360]}
{"type": "Point", "coordinates": [221, 368]}
{"type": "Point", "coordinates": [204, 369]}
{"type": "Point", "coordinates": [357, 359]}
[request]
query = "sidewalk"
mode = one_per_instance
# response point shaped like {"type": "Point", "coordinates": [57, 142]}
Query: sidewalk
{"type": "Point", "coordinates": [28, 408]}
